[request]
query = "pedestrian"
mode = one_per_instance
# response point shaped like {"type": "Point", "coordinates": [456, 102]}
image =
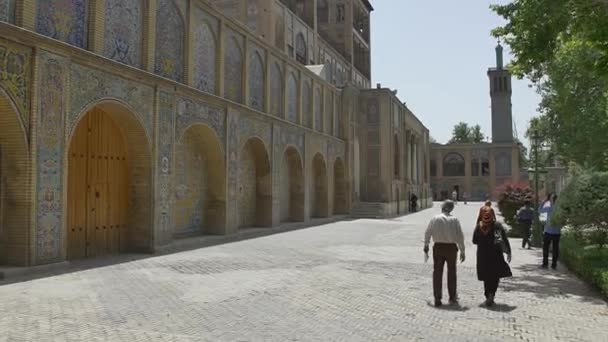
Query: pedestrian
{"type": "Point", "coordinates": [455, 196]}
{"type": "Point", "coordinates": [491, 240]}
{"type": "Point", "coordinates": [525, 216]}
{"type": "Point", "coordinates": [552, 233]}
{"type": "Point", "coordinates": [465, 195]}
{"type": "Point", "coordinates": [413, 203]}
{"type": "Point", "coordinates": [448, 239]}
{"type": "Point", "coordinates": [487, 204]}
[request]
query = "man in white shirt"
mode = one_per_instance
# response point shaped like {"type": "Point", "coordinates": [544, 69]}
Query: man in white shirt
{"type": "Point", "coordinates": [448, 239]}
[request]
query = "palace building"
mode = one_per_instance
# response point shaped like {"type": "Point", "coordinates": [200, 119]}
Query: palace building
{"type": "Point", "coordinates": [480, 169]}
{"type": "Point", "coordinates": [127, 125]}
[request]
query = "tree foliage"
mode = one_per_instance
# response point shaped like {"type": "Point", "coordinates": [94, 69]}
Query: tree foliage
{"type": "Point", "coordinates": [583, 206]}
{"type": "Point", "coordinates": [463, 133]}
{"type": "Point", "coordinates": [511, 197]}
{"type": "Point", "coordinates": [562, 46]}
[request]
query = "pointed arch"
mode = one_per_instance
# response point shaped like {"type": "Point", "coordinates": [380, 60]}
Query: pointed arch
{"type": "Point", "coordinates": [200, 182]}
{"type": "Point", "coordinates": [233, 68]}
{"type": "Point", "coordinates": [276, 90]}
{"type": "Point", "coordinates": [292, 98]}
{"type": "Point", "coordinates": [319, 194]}
{"type": "Point", "coordinates": [292, 186]}
{"type": "Point", "coordinates": [255, 185]}
{"type": "Point", "coordinates": [205, 54]}
{"type": "Point", "coordinates": [256, 81]}
{"type": "Point", "coordinates": [170, 34]}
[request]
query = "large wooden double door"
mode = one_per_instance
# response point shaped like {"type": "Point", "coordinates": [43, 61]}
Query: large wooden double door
{"type": "Point", "coordinates": [97, 188]}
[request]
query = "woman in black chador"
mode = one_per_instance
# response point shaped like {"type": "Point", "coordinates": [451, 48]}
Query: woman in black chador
{"type": "Point", "coordinates": [491, 240]}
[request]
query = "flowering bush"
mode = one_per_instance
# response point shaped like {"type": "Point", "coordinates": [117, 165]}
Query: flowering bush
{"type": "Point", "coordinates": [511, 197]}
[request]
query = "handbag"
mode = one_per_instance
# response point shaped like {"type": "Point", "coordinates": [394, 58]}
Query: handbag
{"type": "Point", "coordinates": [498, 239]}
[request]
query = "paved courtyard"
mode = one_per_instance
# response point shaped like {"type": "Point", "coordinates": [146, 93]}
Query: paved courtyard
{"type": "Point", "coordinates": [362, 280]}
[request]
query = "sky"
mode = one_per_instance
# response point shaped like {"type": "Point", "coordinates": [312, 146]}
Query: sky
{"type": "Point", "coordinates": [436, 53]}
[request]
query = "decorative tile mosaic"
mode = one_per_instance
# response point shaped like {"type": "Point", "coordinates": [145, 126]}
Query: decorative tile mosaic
{"type": "Point", "coordinates": [256, 81]}
{"type": "Point", "coordinates": [307, 115]}
{"type": "Point", "coordinates": [190, 111]}
{"type": "Point", "coordinates": [49, 178]}
{"type": "Point", "coordinates": [254, 128]}
{"type": "Point", "coordinates": [233, 69]}
{"type": "Point", "coordinates": [291, 136]}
{"type": "Point", "coordinates": [503, 163]}
{"type": "Point", "coordinates": [90, 85]}
{"type": "Point", "coordinates": [292, 98]}
{"type": "Point", "coordinates": [318, 110]}
{"type": "Point", "coordinates": [205, 51]}
{"type": "Point", "coordinates": [276, 90]}
{"type": "Point", "coordinates": [7, 11]}
{"type": "Point", "coordinates": [166, 114]}
{"type": "Point", "coordinates": [252, 15]}
{"type": "Point", "coordinates": [233, 168]}
{"type": "Point", "coordinates": [15, 73]}
{"type": "Point", "coordinates": [335, 150]}
{"type": "Point", "coordinates": [123, 31]}
{"type": "Point", "coordinates": [65, 20]}
{"type": "Point", "coordinates": [170, 36]}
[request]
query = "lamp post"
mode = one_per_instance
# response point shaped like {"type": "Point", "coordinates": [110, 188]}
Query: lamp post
{"type": "Point", "coordinates": [536, 140]}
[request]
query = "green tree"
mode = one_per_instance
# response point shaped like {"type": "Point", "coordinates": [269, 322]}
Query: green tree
{"type": "Point", "coordinates": [475, 134]}
{"type": "Point", "coordinates": [562, 46]}
{"type": "Point", "coordinates": [464, 133]}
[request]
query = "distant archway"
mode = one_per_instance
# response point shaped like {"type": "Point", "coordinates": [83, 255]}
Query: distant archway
{"type": "Point", "coordinates": [340, 192]}
{"type": "Point", "coordinates": [319, 196]}
{"type": "Point", "coordinates": [292, 187]}
{"type": "Point", "coordinates": [255, 186]}
{"type": "Point", "coordinates": [453, 165]}
{"type": "Point", "coordinates": [200, 197]}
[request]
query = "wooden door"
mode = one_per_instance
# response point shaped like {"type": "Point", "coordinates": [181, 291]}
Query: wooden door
{"type": "Point", "coordinates": [97, 188]}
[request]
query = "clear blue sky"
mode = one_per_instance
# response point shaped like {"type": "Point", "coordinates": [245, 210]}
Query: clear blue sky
{"type": "Point", "coordinates": [436, 54]}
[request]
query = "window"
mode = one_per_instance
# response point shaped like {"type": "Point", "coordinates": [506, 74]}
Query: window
{"type": "Point", "coordinates": [433, 168]}
{"type": "Point", "coordinates": [340, 13]}
{"type": "Point", "coordinates": [485, 167]}
{"type": "Point", "coordinates": [475, 167]}
{"type": "Point", "coordinates": [453, 165]}
{"type": "Point", "coordinates": [503, 164]}
{"type": "Point", "coordinates": [301, 48]}
{"type": "Point", "coordinates": [396, 157]}
{"type": "Point", "coordinates": [323, 11]}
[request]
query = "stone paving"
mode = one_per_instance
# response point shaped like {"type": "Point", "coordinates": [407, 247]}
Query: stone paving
{"type": "Point", "coordinates": [362, 280]}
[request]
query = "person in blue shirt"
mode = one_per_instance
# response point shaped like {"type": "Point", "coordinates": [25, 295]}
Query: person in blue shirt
{"type": "Point", "coordinates": [525, 216]}
{"type": "Point", "coordinates": [552, 233]}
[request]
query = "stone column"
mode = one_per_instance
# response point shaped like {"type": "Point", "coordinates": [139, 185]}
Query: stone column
{"type": "Point", "coordinates": [97, 17]}
{"type": "Point", "coordinates": [149, 43]}
{"type": "Point", "coordinates": [25, 14]}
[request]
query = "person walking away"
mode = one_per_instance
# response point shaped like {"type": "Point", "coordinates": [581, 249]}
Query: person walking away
{"type": "Point", "coordinates": [455, 196]}
{"type": "Point", "coordinates": [465, 195]}
{"type": "Point", "coordinates": [552, 234]}
{"type": "Point", "coordinates": [525, 216]}
{"type": "Point", "coordinates": [487, 204]}
{"type": "Point", "coordinates": [413, 203]}
{"type": "Point", "coordinates": [448, 239]}
{"type": "Point", "coordinates": [491, 240]}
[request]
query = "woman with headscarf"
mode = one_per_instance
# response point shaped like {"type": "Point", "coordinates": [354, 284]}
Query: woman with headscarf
{"type": "Point", "coordinates": [491, 240]}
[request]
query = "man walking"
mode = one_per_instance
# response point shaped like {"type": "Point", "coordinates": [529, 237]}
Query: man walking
{"type": "Point", "coordinates": [448, 238]}
{"type": "Point", "coordinates": [552, 233]}
{"type": "Point", "coordinates": [525, 216]}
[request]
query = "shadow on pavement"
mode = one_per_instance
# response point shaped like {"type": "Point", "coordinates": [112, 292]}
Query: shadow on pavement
{"type": "Point", "coordinates": [498, 307]}
{"type": "Point", "coordinates": [448, 307]}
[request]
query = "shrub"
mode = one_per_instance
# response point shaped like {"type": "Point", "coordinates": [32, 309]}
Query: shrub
{"type": "Point", "coordinates": [511, 197]}
{"type": "Point", "coordinates": [589, 262]}
{"type": "Point", "coordinates": [583, 206]}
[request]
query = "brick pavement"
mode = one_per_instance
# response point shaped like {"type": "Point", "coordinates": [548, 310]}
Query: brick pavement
{"type": "Point", "coordinates": [361, 280]}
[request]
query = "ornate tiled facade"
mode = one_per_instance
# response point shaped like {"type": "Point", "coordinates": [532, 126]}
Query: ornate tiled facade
{"type": "Point", "coordinates": [217, 128]}
{"type": "Point", "coordinates": [124, 31]}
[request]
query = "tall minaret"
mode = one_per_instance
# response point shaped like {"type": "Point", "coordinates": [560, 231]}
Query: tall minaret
{"type": "Point", "coordinates": [500, 93]}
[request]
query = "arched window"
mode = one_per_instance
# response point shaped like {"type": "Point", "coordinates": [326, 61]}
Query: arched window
{"type": "Point", "coordinates": [256, 81]}
{"type": "Point", "coordinates": [65, 20]}
{"type": "Point", "coordinates": [307, 115]}
{"type": "Point", "coordinates": [204, 55]}
{"type": "Point", "coordinates": [323, 11]}
{"type": "Point", "coordinates": [170, 35]}
{"type": "Point", "coordinates": [292, 98]}
{"type": "Point", "coordinates": [475, 167]}
{"type": "Point", "coordinates": [276, 90]}
{"type": "Point", "coordinates": [453, 165]}
{"type": "Point", "coordinates": [485, 167]}
{"type": "Point", "coordinates": [233, 83]}
{"type": "Point", "coordinates": [318, 122]}
{"type": "Point", "coordinates": [7, 11]}
{"type": "Point", "coordinates": [301, 48]}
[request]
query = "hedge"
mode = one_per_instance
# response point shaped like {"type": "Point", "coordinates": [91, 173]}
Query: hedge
{"type": "Point", "coordinates": [588, 261]}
